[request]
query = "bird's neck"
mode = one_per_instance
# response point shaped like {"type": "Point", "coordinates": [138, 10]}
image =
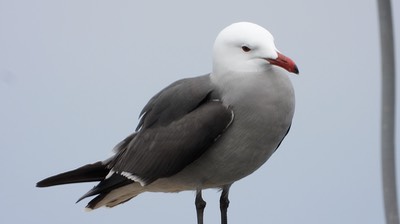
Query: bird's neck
{"type": "Point", "coordinates": [236, 86]}
{"type": "Point", "coordinates": [260, 91]}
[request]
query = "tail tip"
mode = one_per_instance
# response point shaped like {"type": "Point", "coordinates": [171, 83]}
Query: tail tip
{"type": "Point", "coordinates": [40, 184]}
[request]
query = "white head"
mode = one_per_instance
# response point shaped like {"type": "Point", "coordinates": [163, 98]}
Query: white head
{"type": "Point", "coordinates": [247, 47]}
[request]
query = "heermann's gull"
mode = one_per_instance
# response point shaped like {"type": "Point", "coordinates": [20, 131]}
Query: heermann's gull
{"type": "Point", "coordinates": [202, 132]}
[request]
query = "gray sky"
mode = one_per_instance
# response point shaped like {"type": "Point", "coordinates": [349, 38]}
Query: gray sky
{"type": "Point", "coordinates": [74, 76]}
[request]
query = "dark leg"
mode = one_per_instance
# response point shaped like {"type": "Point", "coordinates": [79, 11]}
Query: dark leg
{"type": "Point", "coordinates": [224, 204]}
{"type": "Point", "coordinates": [200, 205]}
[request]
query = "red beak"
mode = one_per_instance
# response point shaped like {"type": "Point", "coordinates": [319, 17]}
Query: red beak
{"type": "Point", "coordinates": [285, 63]}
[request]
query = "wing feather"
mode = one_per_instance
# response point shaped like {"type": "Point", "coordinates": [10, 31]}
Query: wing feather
{"type": "Point", "coordinates": [163, 151]}
{"type": "Point", "coordinates": [176, 127]}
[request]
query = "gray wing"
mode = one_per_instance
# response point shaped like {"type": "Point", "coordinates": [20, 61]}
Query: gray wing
{"type": "Point", "coordinates": [177, 126]}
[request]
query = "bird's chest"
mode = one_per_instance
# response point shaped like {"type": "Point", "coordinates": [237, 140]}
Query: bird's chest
{"type": "Point", "coordinates": [263, 115]}
{"type": "Point", "coordinates": [263, 110]}
{"type": "Point", "coordinates": [257, 131]}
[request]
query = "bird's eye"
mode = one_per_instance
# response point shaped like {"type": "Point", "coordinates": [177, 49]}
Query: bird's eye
{"type": "Point", "coordinates": [246, 49]}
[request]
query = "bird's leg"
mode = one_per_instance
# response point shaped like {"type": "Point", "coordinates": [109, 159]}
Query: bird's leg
{"type": "Point", "coordinates": [224, 204]}
{"type": "Point", "coordinates": [200, 205]}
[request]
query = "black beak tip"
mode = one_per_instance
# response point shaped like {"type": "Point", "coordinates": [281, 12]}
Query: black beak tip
{"type": "Point", "coordinates": [296, 70]}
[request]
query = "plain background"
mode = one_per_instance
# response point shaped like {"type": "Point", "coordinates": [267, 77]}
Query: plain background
{"type": "Point", "coordinates": [74, 76]}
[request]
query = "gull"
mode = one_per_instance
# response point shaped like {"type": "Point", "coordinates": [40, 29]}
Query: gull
{"type": "Point", "coordinates": [202, 132]}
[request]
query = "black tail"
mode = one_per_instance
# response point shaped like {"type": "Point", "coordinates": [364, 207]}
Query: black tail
{"type": "Point", "coordinates": [88, 173]}
{"type": "Point", "coordinates": [96, 172]}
